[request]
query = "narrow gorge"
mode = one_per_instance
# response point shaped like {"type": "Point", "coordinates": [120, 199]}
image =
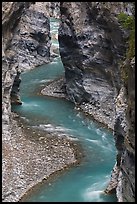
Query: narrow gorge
{"type": "Point", "coordinates": [63, 95]}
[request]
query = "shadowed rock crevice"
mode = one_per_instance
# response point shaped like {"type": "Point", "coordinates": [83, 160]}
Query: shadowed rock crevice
{"type": "Point", "coordinates": [15, 98]}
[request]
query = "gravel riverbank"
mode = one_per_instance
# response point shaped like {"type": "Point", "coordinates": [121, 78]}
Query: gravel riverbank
{"type": "Point", "coordinates": [31, 156]}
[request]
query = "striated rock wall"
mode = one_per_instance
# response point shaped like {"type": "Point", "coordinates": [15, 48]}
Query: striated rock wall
{"type": "Point", "coordinates": [25, 44]}
{"type": "Point", "coordinates": [123, 174]}
{"type": "Point", "coordinates": [11, 13]}
{"type": "Point", "coordinates": [124, 133]}
{"type": "Point", "coordinates": [92, 46]}
{"type": "Point", "coordinates": [31, 39]}
{"type": "Point", "coordinates": [25, 40]}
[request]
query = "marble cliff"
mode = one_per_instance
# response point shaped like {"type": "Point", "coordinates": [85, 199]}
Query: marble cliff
{"type": "Point", "coordinates": [93, 46]}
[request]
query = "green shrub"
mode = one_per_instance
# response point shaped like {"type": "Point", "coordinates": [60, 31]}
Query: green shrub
{"type": "Point", "coordinates": [128, 22]}
{"type": "Point", "coordinates": [125, 20]}
{"type": "Point", "coordinates": [131, 49]}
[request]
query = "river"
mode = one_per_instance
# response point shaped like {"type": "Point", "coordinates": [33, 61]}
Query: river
{"type": "Point", "coordinates": [83, 183]}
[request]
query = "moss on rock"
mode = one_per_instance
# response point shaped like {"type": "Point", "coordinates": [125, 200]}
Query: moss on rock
{"type": "Point", "coordinates": [128, 23]}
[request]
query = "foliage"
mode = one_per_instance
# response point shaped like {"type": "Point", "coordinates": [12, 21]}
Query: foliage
{"type": "Point", "coordinates": [131, 50]}
{"type": "Point", "coordinates": [128, 23]}
{"type": "Point", "coordinates": [125, 20]}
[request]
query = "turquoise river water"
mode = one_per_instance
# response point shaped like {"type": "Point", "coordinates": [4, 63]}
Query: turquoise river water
{"type": "Point", "coordinates": [83, 183]}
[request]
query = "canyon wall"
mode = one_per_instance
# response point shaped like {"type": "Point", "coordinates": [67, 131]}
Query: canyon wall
{"type": "Point", "coordinates": [93, 45]}
{"type": "Point", "coordinates": [25, 44]}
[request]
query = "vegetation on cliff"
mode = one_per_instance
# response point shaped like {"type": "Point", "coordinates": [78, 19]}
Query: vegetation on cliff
{"type": "Point", "coordinates": [128, 23]}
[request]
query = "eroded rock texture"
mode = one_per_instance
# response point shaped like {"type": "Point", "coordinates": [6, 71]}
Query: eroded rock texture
{"type": "Point", "coordinates": [92, 47]}
{"type": "Point", "coordinates": [26, 38]}
{"type": "Point", "coordinates": [11, 13]}
{"type": "Point", "coordinates": [123, 174]}
{"type": "Point", "coordinates": [31, 40]}
{"type": "Point", "coordinates": [124, 133]}
{"type": "Point", "coordinates": [52, 9]}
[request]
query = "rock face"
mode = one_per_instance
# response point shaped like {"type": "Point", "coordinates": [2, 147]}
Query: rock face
{"type": "Point", "coordinates": [92, 46]}
{"type": "Point", "coordinates": [15, 98]}
{"type": "Point", "coordinates": [31, 40]}
{"type": "Point", "coordinates": [26, 39]}
{"type": "Point", "coordinates": [124, 133]}
{"type": "Point", "coordinates": [25, 44]}
{"type": "Point", "coordinates": [52, 9]}
{"type": "Point", "coordinates": [11, 13]}
{"type": "Point", "coordinates": [123, 175]}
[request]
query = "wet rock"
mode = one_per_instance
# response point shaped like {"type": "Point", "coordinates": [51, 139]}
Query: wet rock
{"type": "Point", "coordinates": [42, 51]}
{"type": "Point", "coordinates": [55, 88]}
{"type": "Point", "coordinates": [15, 98]}
{"type": "Point", "coordinates": [111, 188]}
